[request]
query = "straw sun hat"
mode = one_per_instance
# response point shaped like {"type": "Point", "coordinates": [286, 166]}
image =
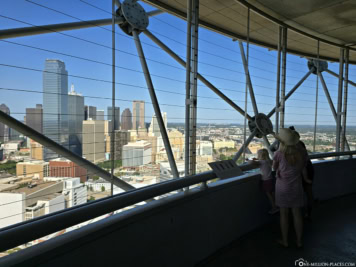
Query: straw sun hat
{"type": "Point", "coordinates": [287, 136]}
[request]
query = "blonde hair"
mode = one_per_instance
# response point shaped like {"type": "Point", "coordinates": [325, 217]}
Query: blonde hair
{"type": "Point", "coordinates": [262, 154]}
{"type": "Point", "coordinates": [292, 153]}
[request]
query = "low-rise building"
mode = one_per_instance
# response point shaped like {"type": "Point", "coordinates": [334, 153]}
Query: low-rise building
{"type": "Point", "coordinates": [11, 147]}
{"type": "Point", "coordinates": [47, 204]}
{"type": "Point", "coordinates": [224, 144]}
{"type": "Point", "coordinates": [35, 169]}
{"type": "Point", "coordinates": [12, 208]}
{"type": "Point", "coordinates": [36, 150]}
{"type": "Point", "coordinates": [75, 193]}
{"type": "Point", "coordinates": [62, 167]}
{"type": "Point", "coordinates": [137, 154]}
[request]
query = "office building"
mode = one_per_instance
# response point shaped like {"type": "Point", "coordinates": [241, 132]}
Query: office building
{"type": "Point", "coordinates": [62, 167]}
{"type": "Point", "coordinates": [75, 120]}
{"type": "Point", "coordinates": [117, 117]}
{"type": "Point", "coordinates": [36, 150]}
{"type": "Point", "coordinates": [205, 148]}
{"type": "Point", "coordinates": [126, 120]}
{"type": "Point", "coordinates": [4, 129]}
{"type": "Point", "coordinates": [55, 104]}
{"type": "Point", "coordinates": [75, 193]}
{"type": "Point", "coordinates": [34, 169]}
{"type": "Point", "coordinates": [34, 118]}
{"type": "Point", "coordinates": [136, 154]}
{"type": "Point", "coordinates": [100, 115]}
{"type": "Point", "coordinates": [154, 126]}
{"type": "Point", "coordinates": [138, 119]}
{"type": "Point", "coordinates": [15, 135]}
{"type": "Point", "coordinates": [89, 113]}
{"type": "Point", "coordinates": [93, 140]}
{"type": "Point", "coordinates": [11, 147]}
{"type": "Point", "coordinates": [24, 203]}
{"type": "Point", "coordinates": [122, 138]}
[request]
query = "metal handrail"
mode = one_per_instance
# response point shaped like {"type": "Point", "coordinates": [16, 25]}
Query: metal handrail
{"type": "Point", "coordinates": [331, 154]}
{"type": "Point", "coordinates": [27, 231]}
{"type": "Point", "coordinates": [48, 224]}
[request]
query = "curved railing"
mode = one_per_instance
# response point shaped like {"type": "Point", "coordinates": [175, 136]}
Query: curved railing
{"type": "Point", "coordinates": [27, 231]}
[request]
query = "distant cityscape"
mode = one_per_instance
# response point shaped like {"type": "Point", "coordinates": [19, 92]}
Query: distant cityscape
{"type": "Point", "coordinates": [35, 181]}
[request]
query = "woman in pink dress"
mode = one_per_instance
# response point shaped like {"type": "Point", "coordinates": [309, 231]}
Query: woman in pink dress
{"type": "Point", "coordinates": [289, 163]}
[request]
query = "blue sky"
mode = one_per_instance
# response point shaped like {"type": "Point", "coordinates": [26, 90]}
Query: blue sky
{"type": "Point", "coordinates": [219, 62]}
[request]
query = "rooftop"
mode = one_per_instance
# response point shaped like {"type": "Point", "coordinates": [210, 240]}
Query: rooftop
{"type": "Point", "coordinates": [28, 191]}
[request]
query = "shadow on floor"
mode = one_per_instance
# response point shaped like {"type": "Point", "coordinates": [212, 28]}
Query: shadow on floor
{"type": "Point", "coordinates": [330, 237]}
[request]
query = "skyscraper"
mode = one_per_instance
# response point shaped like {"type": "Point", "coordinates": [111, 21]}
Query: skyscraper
{"type": "Point", "coordinates": [121, 138]}
{"type": "Point", "coordinates": [34, 118]}
{"type": "Point", "coordinates": [100, 115]}
{"type": "Point", "coordinates": [117, 117]}
{"type": "Point", "coordinates": [154, 126]}
{"type": "Point", "coordinates": [4, 129]}
{"type": "Point", "coordinates": [55, 104]}
{"type": "Point", "coordinates": [75, 118]}
{"type": "Point", "coordinates": [126, 120]}
{"type": "Point", "coordinates": [93, 140]}
{"type": "Point", "coordinates": [90, 113]}
{"type": "Point", "coordinates": [138, 119]}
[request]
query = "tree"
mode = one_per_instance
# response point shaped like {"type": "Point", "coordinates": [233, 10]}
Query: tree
{"type": "Point", "coordinates": [102, 188]}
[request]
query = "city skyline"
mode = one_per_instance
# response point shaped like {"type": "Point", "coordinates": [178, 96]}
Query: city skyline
{"type": "Point", "coordinates": [219, 60]}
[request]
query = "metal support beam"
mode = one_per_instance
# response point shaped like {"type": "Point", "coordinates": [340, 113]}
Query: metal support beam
{"type": "Point", "coordinates": [187, 87]}
{"type": "Point", "coordinates": [316, 100]}
{"type": "Point", "coordinates": [291, 92]}
{"type": "Point", "coordinates": [35, 30]}
{"type": "Point", "coordinates": [154, 12]}
{"type": "Point", "coordinates": [339, 100]}
{"type": "Point", "coordinates": [284, 71]}
{"type": "Point", "coordinates": [246, 87]}
{"type": "Point", "coordinates": [278, 85]}
{"type": "Point", "coordinates": [57, 148]}
{"type": "Point", "coordinates": [244, 146]}
{"type": "Point", "coordinates": [194, 87]}
{"type": "Point", "coordinates": [337, 76]}
{"type": "Point", "coordinates": [113, 111]}
{"type": "Point", "coordinates": [155, 104]}
{"type": "Point", "coordinates": [326, 91]}
{"type": "Point", "coordinates": [346, 89]}
{"type": "Point", "coordinates": [333, 111]}
{"type": "Point", "coordinates": [248, 79]}
{"type": "Point", "coordinates": [251, 91]}
{"type": "Point", "coordinates": [200, 77]}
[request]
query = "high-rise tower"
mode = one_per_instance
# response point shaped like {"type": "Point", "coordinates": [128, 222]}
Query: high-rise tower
{"type": "Point", "coordinates": [126, 120]}
{"type": "Point", "coordinates": [34, 118]}
{"type": "Point", "coordinates": [117, 117]}
{"type": "Point", "coordinates": [4, 129]}
{"type": "Point", "coordinates": [138, 119]}
{"type": "Point", "coordinates": [75, 120]}
{"type": "Point", "coordinates": [55, 104]}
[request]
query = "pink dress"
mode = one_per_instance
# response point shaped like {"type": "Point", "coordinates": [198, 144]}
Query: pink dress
{"type": "Point", "coordinates": [289, 189]}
